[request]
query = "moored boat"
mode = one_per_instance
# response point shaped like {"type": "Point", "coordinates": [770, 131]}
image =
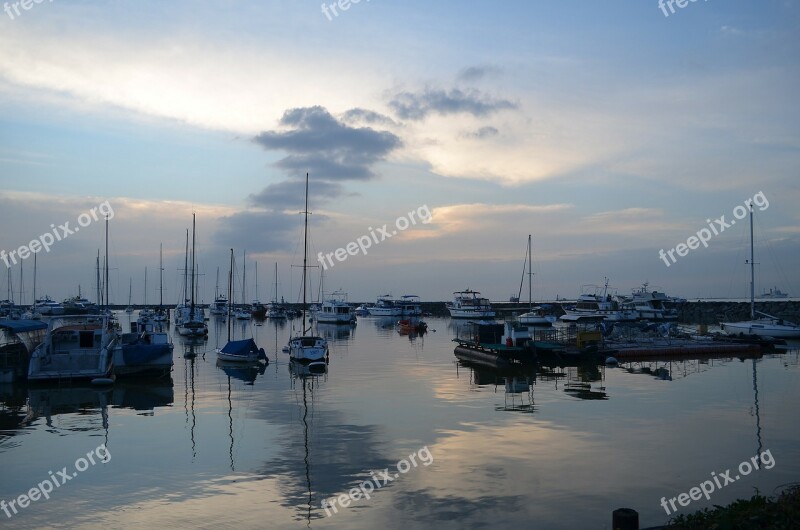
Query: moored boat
{"type": "Point", "coordinates": [469, 304]}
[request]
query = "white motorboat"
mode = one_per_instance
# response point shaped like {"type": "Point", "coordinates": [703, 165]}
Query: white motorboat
{"type": "Point", "coordinates": [469, 304]}
{"type": "Point", "coordinates": [335, 310]}
{"type": "Point", "coordinates": [650, 305]}
{"type": "Point", "coordinates": [597, 306]}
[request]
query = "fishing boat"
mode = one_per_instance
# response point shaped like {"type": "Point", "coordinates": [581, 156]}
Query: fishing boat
{"type": "Point", "coordinates": [302, 347]}
{"type": "Point", "coordinates": [534, 316]}
{"type": "Point", "coordinates": [190, 319]}
{"type": "Point", "coordinates": [146, 350]}
{"type": "Point", "coordinates": [244, 351]}
{"type": "Point", "coordinates": [766, 325]}
{"type": "Point", "coordinates": [470, 304]}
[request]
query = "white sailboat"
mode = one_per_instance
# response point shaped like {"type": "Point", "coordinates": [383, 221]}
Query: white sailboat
{"type": "Point", "coordinates": [533, 317]}
{"type": "Point", "coordinates": [191, 318]}
{"type": "Point", "coordinates": [766, 325]}
{"type": "Point", "coordinates": [303, 348]}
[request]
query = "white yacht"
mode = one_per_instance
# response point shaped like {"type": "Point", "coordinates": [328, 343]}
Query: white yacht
{"type": "Point", "coordinates": [597, 306]}
{"type": "Point", "coordinates": [74, 348]}
{"type": "Point", "coordinates": [385, 307]}
{"type": "Point", "coordinates": [469, 304]}
{"type": "Point", "coordinates": [650, 305]}
{"type": "Point", "coordinates": [335, 310]}
{"type": "Point", "coordinates": [47, 306]}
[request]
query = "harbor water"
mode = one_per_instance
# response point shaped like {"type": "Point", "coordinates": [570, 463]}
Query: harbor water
{"type": "Point", "coordinates": [430, 442]}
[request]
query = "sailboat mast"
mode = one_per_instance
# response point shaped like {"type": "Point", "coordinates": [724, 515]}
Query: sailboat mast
{"type": "Point", "coordinates": [21, 286]}
{"type": "Point", "coordinates": [244, 279]}
{"type": "Point", "coordinates": [33, 305]}
{"type": "Point", "coordinates": [106, 281]}
{"type": "Point", "coordinates": [99, 299]}
{"type": "Point", "coordinates": [305, 256]}
{"type": "Point", "coordinates": [530, 276]}
{"type": "Point", "coordinates": [161, 275]}
{"type": "Point", "coordinates": [193, 245]}
{"type": "Point", "coordinates": [276, 282]}
{"type": "Point", "coordinates": [145, 286]}
{"type": "Point", "coordinates": [752, 270]}
{"type": "Point", "coordinates": [186, 269]}
{"type": "Point", "coordinates": [230, 296]}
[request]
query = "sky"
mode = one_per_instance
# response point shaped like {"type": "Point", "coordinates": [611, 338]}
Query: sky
{"type": "Point", "coordinates": [608, 131]}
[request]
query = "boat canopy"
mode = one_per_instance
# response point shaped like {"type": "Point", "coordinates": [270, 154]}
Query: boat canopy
{"type": "Point", "coordinates": [22, 326]}
{"type": "Point", "coordinates": [240, 347]}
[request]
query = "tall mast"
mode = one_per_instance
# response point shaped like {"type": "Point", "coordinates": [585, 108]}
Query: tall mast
{"type": "Point", "coordinates": [530, 276]}
{"type": "Point", "coordinates": [194, 240]}
{"type": "Point", "coordinates": [186, 270]}
{"type": "Point", "coordinates": [161, 275]}
{"type": "Point", "coordinates": [244, 279]}
{"type": "Point", "coordinates": [305, 256]}
{"type": "Point", "coordinates": [230, 296]}
{"type": "Point", "coordinates": [276, 282]}
{"type": "Point", "coordinates": [752, 271]}
{"type": "Point", "coordinates": [256, 297]}
{"type": "Point", "coordinates": [145, 286]}
{"type": "Point", "coordinates": [21, 285]}
{"type": "Point", "coordinates": [99, 298]}
{"type": "Point", "coordinates": [106, 282]}
{"type": "Point", "coordinates": [216, 288]}
{"type": "Point", "coordinates": [33, 305]}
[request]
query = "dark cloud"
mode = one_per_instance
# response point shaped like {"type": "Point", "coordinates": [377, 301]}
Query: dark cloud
{"type": "Point", "coordinates": [290, 194]}
{"type": "Point", "coordinates": [475, 73]}
{"type": "Point", "coordinates": [315, 142]}
{"type": "Point", "coordinates": [411, 106]}
{"type": "Point", "coordinates": [331, 149]}
{"type": "Point", "coordinates": [259, 231]}
{"type": "Point", "coordinates": [368, 116]}
{"type": "Point", "coordinates": [483, 133]}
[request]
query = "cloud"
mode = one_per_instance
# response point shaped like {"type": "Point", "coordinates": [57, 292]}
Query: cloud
{"type": "Point", "coordinates": [476, 73]}
{"type": "Point", "coordinates": [411, 106]}
{"type": "Point", "coordinates": [482, 133]}
{"type": "Point", "coordinates": [358, 115]}
{"type": "Point", "coordinates": [290, 194]}
{"type": "Point", "coordinates": [320, 143]}
{"type": "Point", "coordinates": [258, 231]}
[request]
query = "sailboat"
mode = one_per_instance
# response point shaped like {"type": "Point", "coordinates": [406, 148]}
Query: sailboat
{"type": "Point", "coordinates": [32, 314]}
{"type": "Point", "coordinates": [243, 313]}
{"type": "Point", "coordinates": [258, 310]}
{"type": "Point", "coordinates": [220, 305]}
{"type": "Point", "coordinates": [161, 314]}
{"type": "Point", "coordinates": [129, 309]}
{"type": "Point", "coordinates": [766, 325]}
{"type": "Point", "coordinates": [303, 348]}
{"type": "Point", "coordinates": [276, 310]}
{"type": "Point", "coordinates": [191, 318]}
{"type": "Point", "coordinates": [244, 351]}
{"type": "Point", "coordinates": [533, 317]}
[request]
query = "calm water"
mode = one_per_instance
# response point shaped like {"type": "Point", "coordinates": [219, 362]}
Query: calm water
{"type": "Point", "coordinates": [216, 448]}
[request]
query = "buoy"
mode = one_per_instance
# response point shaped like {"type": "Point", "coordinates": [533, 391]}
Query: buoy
{"type": "Point", "coordinates": [611, 361]}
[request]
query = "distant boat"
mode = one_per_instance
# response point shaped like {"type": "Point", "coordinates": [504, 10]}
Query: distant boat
{"type": "Point", "coordinates": [534, 316]}
{"type": "Point", "coordinates": [767, 325]}
{"type": "Point", "coordinates": [776, 293]}
{"type": "Point", "coordinates": [244, 312]}
{"type": "Point", "coordinates": [161, 314]}
{"type": "Point", "coordinates": [275, 310]}
{"type": "Point", "coordinates": [46, 306]}
{"type": "Point", "coordinates": [650, 305]}
{"type": "Point", "coordinates": [469, 304]}
{"type": "Point", "coordinates": [306, 349]}
{"type": "Point", "coordinates": [220, 304]}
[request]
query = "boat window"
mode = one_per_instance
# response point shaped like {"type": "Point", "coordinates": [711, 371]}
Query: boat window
{"type": "Point", "coordinates": [86, 339]}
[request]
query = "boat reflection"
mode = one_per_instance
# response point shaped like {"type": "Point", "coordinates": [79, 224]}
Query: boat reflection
{"type": "Point", "coordinates": [336, 332]}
